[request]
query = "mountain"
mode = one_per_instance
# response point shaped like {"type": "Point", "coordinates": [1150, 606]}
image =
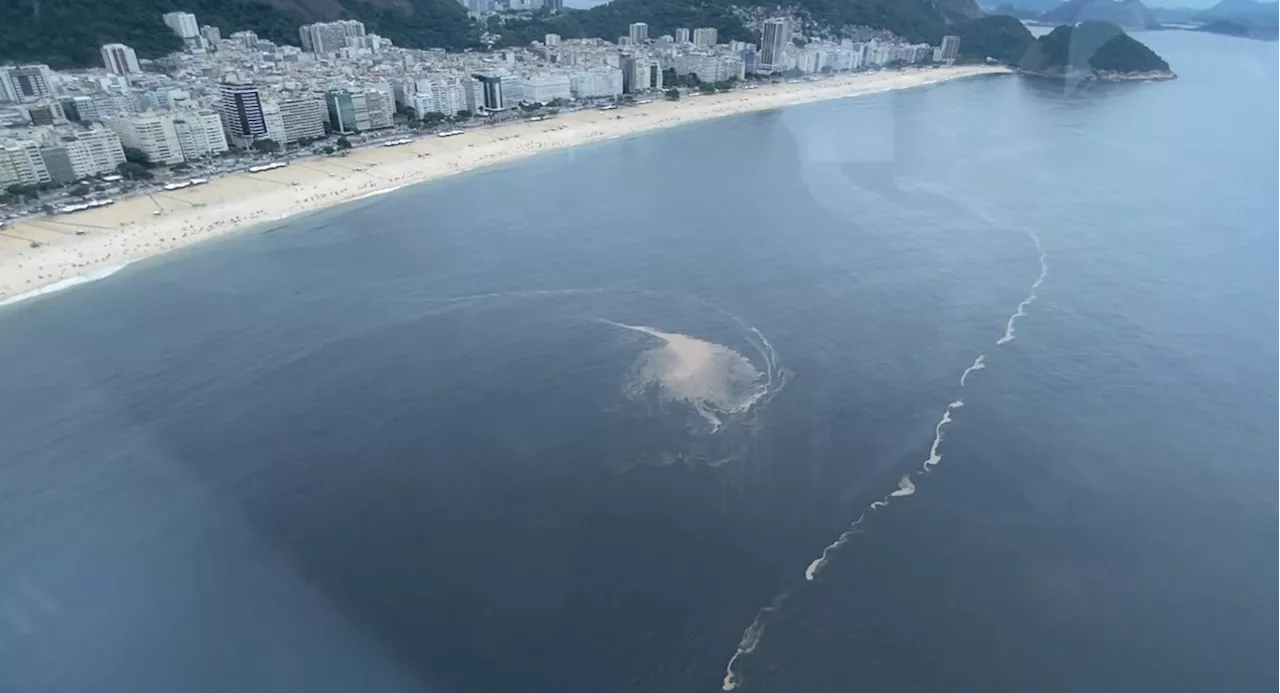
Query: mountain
{"type": "Point", "coordinates": [999, 37]}
{"type": "Point", "coordinates": [1127, 14]}
{"type": "Point", "coordinates": [67, 33]}
{"type": "Point", "coordinates": [915, 20]}
{"type": "Point", "coordinates": [1026, 7]}
{"type": "Point", "coordinates": [1099, 50]}
{"type": "Point", "coordinates": [1242, 18]}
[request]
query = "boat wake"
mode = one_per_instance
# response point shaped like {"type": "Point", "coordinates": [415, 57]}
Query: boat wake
{"type": "Point", "coordinates": [733, 678]}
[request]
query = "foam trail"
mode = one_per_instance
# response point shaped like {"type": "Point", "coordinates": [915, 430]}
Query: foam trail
{"type": "Point", "coordinates": [1009, 328]}
{"type": "Point", "coordinates": [934, 456]}
{"type": "Point", "coordinates": [905, 487]}
{"type": "Point", "coordinates": [750, 639]}
{"type": "Point", "coordinates": [978, 364]}
{"type": "Point", "coordinates": [65, 284]}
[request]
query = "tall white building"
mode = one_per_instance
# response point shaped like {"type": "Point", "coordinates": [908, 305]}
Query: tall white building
{"type": "Point", "coordinates": [20, 162]}
{"type": "Point", "coordinates": [120, 59]}
{"type": "Point", "coordinates": [200, 133]}
{"type": "Point", "coordinates": [545, 87]}
{"type": "Point", "coordinates": [551, 40]}
{"type": "Point", "coordinates": [153, 134]}
{"type": "Point", "coordinates": [94, 151]}
{"type": "Point", "coordinates": [704, 37]}
{"type": "Point", "coordinates": [682, 35]}
{"type": "Point", "coordinates": [303, 118]}
{"type": "Point", "coordinates": [775, 34]}
{"type": "Point", "coordinates": [274, 122]}
{"type": "Point", "coordinates": [596, 82]}
{"type": "Point", "coordinates": [240, 106]}
{"type": "Point", "coordinates": [329, 37]}
{"type": "Point", "coordinates": [211, 34]}
{"type": "Point", "coordinates": [25, 82]}
{"type": "Point", "coordinates": [638, 32]}
{"type": "Point", "coordinates": [182, 23]}
{"type": "Point", "coordinates": [950, 48]}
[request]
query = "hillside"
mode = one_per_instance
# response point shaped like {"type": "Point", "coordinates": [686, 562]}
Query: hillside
{"type": "Point", "coordinates": [914, 20]}
{"type": "Point", "coordinates": [1127, 14]}
{"type": "Point", "coordinates": [1242, 18]}
{"type": "Point", "coordinates": [67, 33]}
{"type": "Point", "coordinates": [1100, 48]}
{"type": "Point", "coordinates": [1000, 37]}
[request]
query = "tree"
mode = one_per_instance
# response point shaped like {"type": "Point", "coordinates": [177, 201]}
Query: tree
{"type": "Point", "coordinates": [463, 116]}
{"type": "Point", "coordinates": [133, 171]}
{"type": "Point", "coordinates": [433, 118]}
{"type": "Point", "coordinates": [266, 145]}
{"type": "Point", "coordinates": [673, 94]}
{"type": "Point", "coordinates": [344, 143]}
{"type": "Point", "coordinates": [137, 156]}
{"type": "Point", "coordinates": [31, 192]}
{"type": "Point", "coordinates": [329, 149]}
{"type": "Point", "coordinates": [557, 102]}
{"type": "Point", "coordinates": [79, 191]}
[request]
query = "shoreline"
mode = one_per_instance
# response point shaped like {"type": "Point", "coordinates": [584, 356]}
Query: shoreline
{"type": "Point", "coordinates": [93, 244]}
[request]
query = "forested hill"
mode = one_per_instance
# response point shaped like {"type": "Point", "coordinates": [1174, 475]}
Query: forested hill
{"type": "Point", "coordinates": [914, 20]}
{"type": "Point", "coordinates": [67, 33]}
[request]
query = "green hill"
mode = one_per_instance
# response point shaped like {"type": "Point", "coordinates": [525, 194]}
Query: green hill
{"type": "Point", "coordinates": [997, 36]}
{"type": "Point", "coordinates": [67, 33]}
{"type": "Point", "coordinates": [1098, 47]}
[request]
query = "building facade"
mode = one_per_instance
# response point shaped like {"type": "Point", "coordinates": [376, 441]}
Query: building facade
{"type": "Point", "coordinates": [240, 106]}
{"type": "Point", "coordinates": [638, 32]}
{"type": "Point", "coordinates": [704, 37]}
{"type": "Point", "coordinates": [120, 59]}
{"type": "Point", "coordinates": [950, 48]}
{"type": "Point", "coordinates": [200, 134]}
{"type": "Point", "coordinates": [302, 119]}
{"type": "Point", "coordinates": [329, 37]}
{"type": "Point", "coordinates": [20, 83]}
{"type": "Point", "coordinates": [775, 34]}
{"type": "Point", "coordinates": [20, 162]}
{"type": "Point", "coordinates": [153, 134]}
{"type": "Point", "coordinates": [182, 23]}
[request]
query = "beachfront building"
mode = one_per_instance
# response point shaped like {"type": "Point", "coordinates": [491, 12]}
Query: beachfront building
{"type": "Point", "coordinates": [200, 134]}
{"type": "Point", "coordinates": [274, 122]}
{"type": "Point", "coordinates": [704, 37]}
{"type": "Point", "coordinates": [302, 118]}
{"type": "Point", "coordinates": [20, 162]}
{"type": "Point", "coordinates": [240, 105]}
{"type": "Point", "coordinates": [329, 37]}
{"type": "Point", "coordinates": [151, 133]}
{"type": "Point", "coordinates": [950, 48]}
{"type": "Point", "coordinates": [92, 151]}
{"type": "Point", "coordinates": [120, 59]}
{"type": "Point", "coordinates": [775, 36]}
{"type": "Point", "coordinates": [545, 87]}
{"type": "Point", "coordinates": [21, 83]}
{"type": "Point", "coordinates": [638, 32]}
{"type": "Point", "coordinates": [491, 88]}
{"type": "Point", "coordinates": [710, 67]}
{"type": "Point", "coordinates": [348, 111]}
{"type": "Point", "coordinates": [595, 83]}
{"type": "Point", "coordinates": [182, 23]}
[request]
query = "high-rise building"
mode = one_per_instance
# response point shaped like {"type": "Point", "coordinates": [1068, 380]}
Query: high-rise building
{"type": "Point", "coordinates": [329, 37]}
{"type": "Point", "coordinates": [636, 73]}
{"type": "Point", "coordinates": [153, 134]}
{"type": "Point", "coordinates": [248, 39]}
{"type": "Point", "coordinates": [182, 23]}
{"type": "Point", "coordinates": [551, 40]}
{"type": "Point", "coordinates": [554, 5]}
{"type": "Point", "coordinates": [20, 162]}
{"type": "Point", "coordinates": [638, 32]}
{"type": "Point", "coordinates": [240, 106]}
{"type": "Point", "coordinates": [274, 122]}
{"type": "Point", "coordinates": [491, 86]}
{"type": "Point", "coordinates": [348, 111]}
{"type": "Point", "coordinates": [93, 151]}
{"type": "Point", "coordinates": [774, 36]}
{"type": "Point", "coordinates": [682, 35]}
{"type": "Point", "coordinates": [950, 48]}
{"type": "Point", "coordinates": [120, 59]}
{"type": "Point", "coordinates": [200, 134]}
{"type": "Point", "coordinates": [25, 82]}
{"type": "Point", "coordinates": [303, 119]}
{"type": "Point", "coordinates": [211, 34]}
{"type": "Point", "coordinates": [704, 37]}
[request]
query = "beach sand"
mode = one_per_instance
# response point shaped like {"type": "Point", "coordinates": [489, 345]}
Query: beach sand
{"type": "Point", "coordinates": [130, 230]}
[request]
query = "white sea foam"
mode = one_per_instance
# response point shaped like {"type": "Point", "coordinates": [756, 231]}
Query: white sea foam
{"type": "Point", "coordinates": [713, 379]}
{"type": "Point", "coordinates": [934, 456]}
{"type": "Point", "coordinates": [978, 364]}
{"type": "Point", "coordinates": [65, 284]}
{"type": "Point", "coordinates": [1009, 328]}
{"type": "Point", "coordinates": [905, 487]}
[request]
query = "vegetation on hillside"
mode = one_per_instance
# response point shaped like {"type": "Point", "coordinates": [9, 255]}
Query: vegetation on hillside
{"type": "Point", "coordinates": [1000, 37]}
{"type": "Point", "coordinates": [68, 33]}
{"type": "Point", "coordinates": [1091, 46]}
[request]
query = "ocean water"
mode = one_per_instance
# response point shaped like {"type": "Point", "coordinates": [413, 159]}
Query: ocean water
{"type": "Point", "coordinates": [584, 423]}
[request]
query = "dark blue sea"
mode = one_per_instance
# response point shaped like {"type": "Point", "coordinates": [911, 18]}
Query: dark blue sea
{"type": "Point", "coordinates": [582, 423]}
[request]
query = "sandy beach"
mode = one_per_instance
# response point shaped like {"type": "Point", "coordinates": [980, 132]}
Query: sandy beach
{"type": "Point", "coordinates": [85, 245]}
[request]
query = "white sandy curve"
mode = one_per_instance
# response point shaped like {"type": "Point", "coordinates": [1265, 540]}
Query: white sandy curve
{"type": "Point", "coordinates": [42, 251]}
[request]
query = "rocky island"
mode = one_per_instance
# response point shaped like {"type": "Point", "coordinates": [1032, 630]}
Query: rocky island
{"type": "Point", "coordinates": [1093, 51]}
